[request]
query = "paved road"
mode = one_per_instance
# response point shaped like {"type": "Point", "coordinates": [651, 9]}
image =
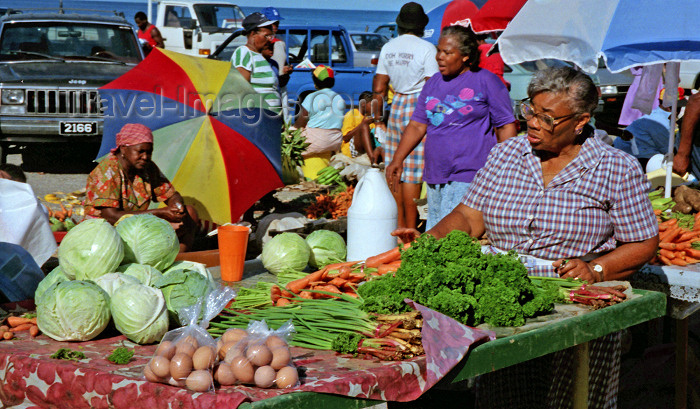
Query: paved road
{"type": "Point", "coordinates": [45, 183]}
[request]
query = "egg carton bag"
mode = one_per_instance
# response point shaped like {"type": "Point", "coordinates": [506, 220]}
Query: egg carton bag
{"type": "Point", "coordinates": [186, 356]}
{"type": "Point", "coordinates": [257, 356]}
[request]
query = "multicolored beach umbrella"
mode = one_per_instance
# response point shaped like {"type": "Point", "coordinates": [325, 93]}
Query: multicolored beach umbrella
{"type": "Point", "coordinates": [214, 137]}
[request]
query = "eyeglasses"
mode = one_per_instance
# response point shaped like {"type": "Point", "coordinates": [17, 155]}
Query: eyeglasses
{"type": "Point", "coordinates": [547, 122]}
{"type": "Point", "coordinates": [267, 36]}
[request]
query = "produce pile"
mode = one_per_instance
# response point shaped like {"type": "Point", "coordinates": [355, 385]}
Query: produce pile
{"type": "Point", "coordinates": [452, 276]}
{"type": "Point", "coordinates": [125, 274]}
{"type": "Point", "coordinates": [679, 230]}
{"type": "Point", "coordinates": [332, 205]}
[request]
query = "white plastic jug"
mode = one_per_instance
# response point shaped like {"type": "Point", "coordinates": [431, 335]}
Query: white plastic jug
{"type": "Point", "coordinates": [371, 217]}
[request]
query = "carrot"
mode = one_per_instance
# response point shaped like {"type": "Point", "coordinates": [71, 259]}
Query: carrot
{"type": "Point", "coordinates": [13, 321]}
{"type": "Point", "coordinates": [663, 228]}
{"type": "Point", "coordinates": [21, 327]}
{"type": "Point", "coordinates": [691, 260]}
{"type": "Point", "coordinates": [351, 294]}
{"type": "Point", "coordinates": [356, 277]}
{"type": "Point", "coordinates": [280, 303]}
{"type": "Point", "coordinates": [664, 260]}
{"type": "Point", "coordinates": [297, 285]}
{"type": "Point", "coordinates": [667, 246]}
{"type": "Point", "coordinates": [338, 282]}
{"type": "Point", "coordinates": [688, 235]}
{"type": "Point", "coordinates": [344, 272]}
{"type": "Point", "coordinates": [383, 258]}
{"type": "Point", "coordinates": [275, 293]}
{"type": "Point", "coordinates": [657, 212]}
{"type": "Point", "coordinates": [316, 275]}
{"type": "Point", "coordinates": [669, 235]}
{"type": "Point", "coordinates": [328, 288]}
{"type": "Point", "coordinates": [286, 293]}
{"type": "Point", "coordinates": [8, 335]}
{"type": "Point", "coordinates": [679, 262]}
{"type": "Point", "coordinates": [308, 295]}
{"type": "Point", "coordinates": [683, 245]}
{"type": "Point", "coordinates": [33, 331]}
{"type": "Point", "coordinates": [670, 222]}
{"type": "Point", "coordinates": [692, 252]}
{"type": "Point", "coordinates": [389, 267]}
{"type": "Point", "coordinates": [667, 253]}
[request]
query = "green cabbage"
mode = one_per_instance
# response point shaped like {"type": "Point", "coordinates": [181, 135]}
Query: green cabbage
{"type": "Point", "coordinates": [182, 288]}
{"type": "Point", "coordinates": [146, 274]}
{"type": "Point", "coordinates": [194, 267]}
{"type": "Point", "coordinates": [148, 240]}
{"type": "Point", "coordinates": [139, 313]}
{"type": "Point", "coordinates": [110, 282]}
{"type": "Point", "coordinates": [91, 249]}
{"type": "Point", "coordinates": [286, 252]}
{"type": "Point", "coordinates": [327, 247]}
{"type": "Point", "coordinates": [55, 276]}
{"type": "Point", "coordinates": [73, 311]}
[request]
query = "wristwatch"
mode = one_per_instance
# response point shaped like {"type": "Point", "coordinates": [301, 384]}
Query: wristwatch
{"type": "Point", "coordinates": [598, 269]}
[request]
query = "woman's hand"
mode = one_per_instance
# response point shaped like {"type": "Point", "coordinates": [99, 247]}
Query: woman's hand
{"type": "Point", "coordinates": [174, 213]}
{"type": "Point", "coordinates": [405, 234]}
{"type": "Point", "coordinates": [393, 175]}
{"type": "Point", "coordinates": [577, 269]}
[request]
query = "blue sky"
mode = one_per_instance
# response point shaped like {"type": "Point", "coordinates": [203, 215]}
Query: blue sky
{"type": "Point", "coordinates": [353, 5]}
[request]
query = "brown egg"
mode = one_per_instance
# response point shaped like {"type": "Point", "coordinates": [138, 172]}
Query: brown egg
{"type": "Point", "coordinates": [150, 376]}
{"type": "Point", "coordinates": [287, 377]}
{"type": "Point", "coordinates": [234, 335]}
{"type": "Point", "coordinates": [191, 339]}
{"type": "Point", "coordinates": [273, 341]}
{"type": "Point", "coordinates": [280, 357]}
{"type": "Point", "coordinates": [265, 376]}
{"type": "Point", "coordinates": [242, 369]}
{"type": "Point", "coordinates": [199, 381]}
{"type": "Point", "coordinates": [160, 366]}
{"type": "Point", "coordinates": [180, 366]}
{"type": "Point", "coordinates": [166, 349]}
{"type": "Point", "coordinates": [259, 354]}
{"type": "Point", "coordinates": [186, 348]}
{"type": "Point", "coordinates": [224, 375]}
{"type": "Point", "coordinates": [203, 357]}
{"type": "Point", "coordinates": [224, 349]}
{"type": "Point", "coordinates": [233, 352]}
{"type": "Point", "coordinates": [180, 383]}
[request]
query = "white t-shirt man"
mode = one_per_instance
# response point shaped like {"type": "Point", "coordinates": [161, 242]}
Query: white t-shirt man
{"type": "Point", "coordinates": [407, 60]}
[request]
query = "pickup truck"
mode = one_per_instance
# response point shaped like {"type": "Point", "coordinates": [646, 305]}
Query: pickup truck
{"type": "Point", "coordinates": [194, 27]}
{"type": "Point", "coordinates": [51, 66]}
{"type": "Point", "coordinates": [327, 45]}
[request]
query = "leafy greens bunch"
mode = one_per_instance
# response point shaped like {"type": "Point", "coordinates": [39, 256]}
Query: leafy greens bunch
{"type": "Point", "coordinates": [452, 276]}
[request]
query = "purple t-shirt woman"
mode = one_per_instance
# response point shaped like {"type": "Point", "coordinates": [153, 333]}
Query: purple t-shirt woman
{"type": "Point", "coordinates": [461, 113]}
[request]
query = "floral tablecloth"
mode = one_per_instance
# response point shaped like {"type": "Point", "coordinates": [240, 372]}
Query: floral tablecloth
{"type": "Point", "coordinates": [30, 378]}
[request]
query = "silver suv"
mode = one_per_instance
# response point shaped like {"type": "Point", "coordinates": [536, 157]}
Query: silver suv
{"type": "Point", "coordinates": [51, 65]}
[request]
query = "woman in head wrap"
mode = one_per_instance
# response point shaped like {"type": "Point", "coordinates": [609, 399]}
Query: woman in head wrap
{"type": "Point", "coordinates": [126, 181]}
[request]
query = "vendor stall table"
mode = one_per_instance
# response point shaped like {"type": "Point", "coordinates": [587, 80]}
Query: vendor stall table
{"type": "Point", "coordinates": [26, 372]}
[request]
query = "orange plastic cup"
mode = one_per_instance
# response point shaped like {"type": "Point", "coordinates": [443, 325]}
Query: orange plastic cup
{"type": "Point", "coordinates": [233, 243]}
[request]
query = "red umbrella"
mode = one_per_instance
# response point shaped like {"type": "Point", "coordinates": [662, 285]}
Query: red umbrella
{"type": "Point", "coordinates": [455, 12]}
{"type": "Point", "coordinates": [495, 15]}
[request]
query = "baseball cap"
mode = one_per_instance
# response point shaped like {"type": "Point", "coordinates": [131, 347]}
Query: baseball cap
{"type": "Point", "coordinates": [255, 20]}
{"type": "Point", "coordinates": [272, 14]}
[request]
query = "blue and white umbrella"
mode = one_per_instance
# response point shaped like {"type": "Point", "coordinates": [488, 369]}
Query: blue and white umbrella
{"type": "Point", "coordinates": [626, 33]}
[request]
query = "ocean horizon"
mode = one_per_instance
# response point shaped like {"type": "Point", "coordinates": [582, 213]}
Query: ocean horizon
{"type": "Point", "coordinates": [352, 20]}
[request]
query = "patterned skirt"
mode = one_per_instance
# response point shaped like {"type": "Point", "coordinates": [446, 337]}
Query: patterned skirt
{"type": "Point", "coordinates": [401, 110]}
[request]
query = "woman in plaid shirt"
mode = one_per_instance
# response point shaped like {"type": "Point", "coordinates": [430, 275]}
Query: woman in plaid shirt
{"type": "Point", "coordinates": [575, 207]}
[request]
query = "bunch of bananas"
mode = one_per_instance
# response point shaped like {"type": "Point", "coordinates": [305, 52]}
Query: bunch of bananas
{"type": "Point", "coordinates": [659, 202]}
{"type": "Point", "coordinates": [329, 176]}
{"type": "Point", "coordinates": [71, 199]}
